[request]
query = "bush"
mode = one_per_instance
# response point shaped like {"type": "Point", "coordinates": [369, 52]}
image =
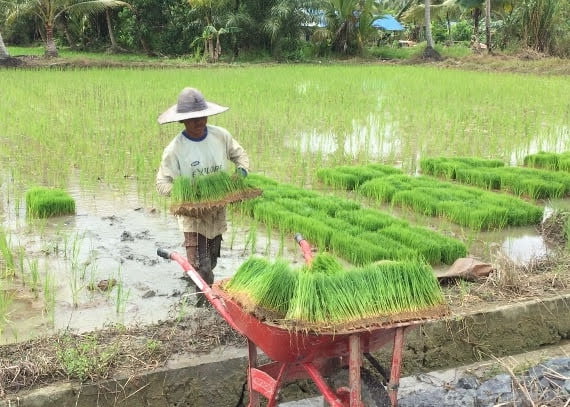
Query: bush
{"type": "Point", "coordinates": [461, 31]}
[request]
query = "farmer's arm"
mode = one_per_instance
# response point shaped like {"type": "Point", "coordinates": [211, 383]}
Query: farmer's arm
{"type": "Point", "coordinates": [237, 154]}
{"type": "Point", "coordinates": [169, 169]}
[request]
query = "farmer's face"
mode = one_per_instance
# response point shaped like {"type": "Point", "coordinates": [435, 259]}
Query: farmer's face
{"type": "Point", "coordinates": [195, 127]}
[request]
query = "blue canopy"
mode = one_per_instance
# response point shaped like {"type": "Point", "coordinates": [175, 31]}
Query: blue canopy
{"type": "Point", "coordinates": [388, 23]}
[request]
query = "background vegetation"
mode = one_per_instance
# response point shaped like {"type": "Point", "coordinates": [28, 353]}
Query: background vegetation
{"type": "Point", "coordinates": [290, 30]}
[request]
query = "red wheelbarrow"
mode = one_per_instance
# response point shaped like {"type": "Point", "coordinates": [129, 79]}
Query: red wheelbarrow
{"type": "Point", "coordinates": [302, 355]}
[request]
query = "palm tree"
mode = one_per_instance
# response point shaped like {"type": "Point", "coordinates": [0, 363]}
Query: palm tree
{"type": "Point", "coordinates": [48, 11]}
{"type": "Point", "coordinates": [344, 18]}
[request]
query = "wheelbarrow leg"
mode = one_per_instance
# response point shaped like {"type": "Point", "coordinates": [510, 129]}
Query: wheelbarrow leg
{"type": "Point", "coordinates": [354, 364]}
{"type": "Point", "coordinates": [252, 364]}
{"type": "Point", "coordinates": [396, 366]}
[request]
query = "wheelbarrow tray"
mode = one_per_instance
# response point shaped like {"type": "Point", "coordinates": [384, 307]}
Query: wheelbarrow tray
{"type": "Point", "coordinates": [282, 344]}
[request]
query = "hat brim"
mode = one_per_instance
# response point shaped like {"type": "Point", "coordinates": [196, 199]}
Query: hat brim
{"type": "Point", "coordinates": [171, 115]}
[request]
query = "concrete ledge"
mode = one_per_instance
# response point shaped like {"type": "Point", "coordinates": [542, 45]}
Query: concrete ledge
{"type": "Point", "coordinates": [217, 380]}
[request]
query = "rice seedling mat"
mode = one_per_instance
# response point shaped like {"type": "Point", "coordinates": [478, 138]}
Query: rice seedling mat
{"type": "Point", "coordinates": [342, 226]}
{"type": "Point", "coordinates": [548, 161]}
{"type": "Point", "coordinates": [520, 181]}
{"type": "Point", "coordinates": [323, 296]}
{"type": "Point", "coordinates": [192, 196]}
{"type": "Point", "coordinates": [42, 202]}
{"type": "Point", "coordinates": [466, 206]}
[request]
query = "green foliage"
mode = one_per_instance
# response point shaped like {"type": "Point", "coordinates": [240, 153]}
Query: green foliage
{"type": "Point", "coordinates": [84, 358]}
{"type": "Point", "coordinates": [45, 202]}
{"type": "Point", "coordinates": [462, 31]}
{"type": "Point", "coordinates": [6, 252]}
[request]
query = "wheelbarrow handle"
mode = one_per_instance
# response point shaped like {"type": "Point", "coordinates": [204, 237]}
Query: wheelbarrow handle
{"type": "Point", "coordinates": [189, 270]}
{"type": "Point", "coordinates": [305, 248]}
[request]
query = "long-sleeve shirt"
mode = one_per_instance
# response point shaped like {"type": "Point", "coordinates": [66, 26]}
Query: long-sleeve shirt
{"type": "Point", "coordinates": [194, 157]}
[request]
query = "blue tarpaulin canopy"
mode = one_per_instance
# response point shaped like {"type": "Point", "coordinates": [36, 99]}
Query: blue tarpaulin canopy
{"type": "Point", "coordinates": [388, 23]}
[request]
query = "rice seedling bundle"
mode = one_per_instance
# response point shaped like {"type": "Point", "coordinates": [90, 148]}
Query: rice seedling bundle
{"type": "Point", "coordinates": [338, 180]}
{"type": "Point", "coordinates": [191, 195]}
{"type": "Point", "coordinates": [324, 295]}
{"type": "Point", "coordinates": [44, 202]}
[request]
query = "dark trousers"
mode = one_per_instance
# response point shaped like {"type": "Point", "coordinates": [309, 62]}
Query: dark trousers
{"type": "Point", "coordinates": [203, 254]}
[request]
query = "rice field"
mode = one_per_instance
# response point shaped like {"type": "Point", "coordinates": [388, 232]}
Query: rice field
{"type": "Point", "coordinates": [548, 161]}
{"type": "Point", "coordinates": [94, 134]}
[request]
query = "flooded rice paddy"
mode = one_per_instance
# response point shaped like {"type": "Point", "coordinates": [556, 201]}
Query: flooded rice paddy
{"type": "Point", "coordinates": [94, 134]}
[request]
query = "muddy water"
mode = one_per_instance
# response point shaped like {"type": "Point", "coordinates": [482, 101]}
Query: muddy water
{"type": "Point", "coordinates": [113, 236]}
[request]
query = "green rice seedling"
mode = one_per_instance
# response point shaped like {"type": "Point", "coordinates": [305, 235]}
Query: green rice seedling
{"type": "Point", "coordinates": [330, 176]}
{"type": "Point", "coordinates": [274, 288]}
{"type": "Point", "coordinates": [397, 250]}
{"type": "Point", "coordinates": [251, 239]}
{"type": "Point", "coordinates": [206, 188]}
{"type": "Point", "coordinates": [326, 263]}
{"type": "Point", "coordinates": [418, 200]}
{"type": "Point", "coordinates": [430, 250]}
{"type": "Point", "coordinates": [330, 204]}
{"type": "Point", "coordinates": [49, 287]}
{"type": "Point", "coordinates": [542, 159]}
{"type": "Point", "coordinates": [6, 252]}
{"type": "Point", "coordinates": [451, 249]}
{"type": "Point", "coordinates": [34, 279]}
{"type": "Point", "coordinates": [245, 275]}
{"type": "Point", "coordinates": [356, 250]}
{"type": "Point", "coordinates": [44, 202]}
{"type": "Point", "coordinates": [6, 299]}
{"type": "Point", "coordinates": [369, 219]}
{"type": "Point", "coordinates": [379, 189]}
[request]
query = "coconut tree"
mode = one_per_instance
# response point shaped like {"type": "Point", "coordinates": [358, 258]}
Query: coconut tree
{"type": "Point", "coordinates": [344, 18]}
{"type": "Point", "coordinates": [49, 11]}
{"type": "Point", "coordinates": [3, 50]}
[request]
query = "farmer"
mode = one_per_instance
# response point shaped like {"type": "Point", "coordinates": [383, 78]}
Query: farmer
{"type": "Point", "coordinates": [199, 149]}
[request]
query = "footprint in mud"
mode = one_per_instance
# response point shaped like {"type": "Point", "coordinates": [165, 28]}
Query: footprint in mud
{"type": "Point", "coordinates": [127, 254]}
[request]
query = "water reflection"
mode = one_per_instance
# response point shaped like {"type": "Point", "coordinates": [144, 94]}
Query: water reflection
{"type": "Point", "coordinates": [524, 248]}
{"type": "Point", "coordinates": [557, 142]}
{"type": "Point", "coordinates": [376, 138]}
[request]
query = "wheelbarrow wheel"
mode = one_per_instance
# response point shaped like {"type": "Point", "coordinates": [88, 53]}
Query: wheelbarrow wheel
{"type": "Point", "coordinates": [373, 392]}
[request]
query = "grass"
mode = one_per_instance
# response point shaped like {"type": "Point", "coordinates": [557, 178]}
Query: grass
{"type": "Point", "coordinates": [44, 202]}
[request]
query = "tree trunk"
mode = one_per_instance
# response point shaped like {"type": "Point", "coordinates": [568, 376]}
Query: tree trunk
{"type": "Point", "coordinates": [51, 49]}
{"type": "Point", "coordinates": [218, 52]}
{"type": "Point", "coordinates": [3, 50]}
{"type": "Point", "coordinates": [488, 24]}
{"type": "Point", "coordinates": [429, 52]}
{"type": "Point", "coordinates": [476, 18]}
{"type": "Point", "coordinates": [114, 46]}
{"type": "Point", "coordinates": [429, 37]}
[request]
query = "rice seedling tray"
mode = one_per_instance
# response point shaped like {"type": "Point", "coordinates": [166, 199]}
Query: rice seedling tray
{"type": "Point", "coordinates": [196, 208]}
